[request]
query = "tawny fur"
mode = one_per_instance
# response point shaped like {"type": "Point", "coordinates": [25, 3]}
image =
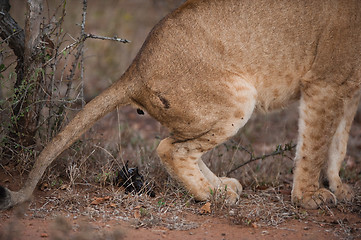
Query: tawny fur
{"type": "Point", "coordinates": [208, 65]}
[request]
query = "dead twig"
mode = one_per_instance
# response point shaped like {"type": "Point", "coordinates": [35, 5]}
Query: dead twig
{"type": "Point", "coordinates": [280, 150]}
{"type": "Point", "coordinates": [115, 38]}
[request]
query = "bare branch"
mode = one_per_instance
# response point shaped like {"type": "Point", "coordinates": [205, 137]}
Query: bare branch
{"type": "Point", "coordinates": [81, 50]}
{"type": "Point", "coordinates": [115, 38]}
{"type": "Point", "coordinates": [280, 150]}
{"type": "Point", "coordinates": [83, 17]}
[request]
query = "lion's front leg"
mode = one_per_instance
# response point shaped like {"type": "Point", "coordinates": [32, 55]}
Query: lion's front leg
{"type": "Point", "coordinates": [338, 148]}
{"type": "Point", "coordinates": [181, 161]}
{"type": "Point", "coordinates": [320, 113]}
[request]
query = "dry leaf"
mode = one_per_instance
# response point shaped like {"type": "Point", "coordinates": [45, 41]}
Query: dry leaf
{"type": "Point", "coordinates": [112, 205]}
{"type": "Point", "coordinates": [206, 208]}
{"type": "Point", "coordinates": [97, 201]}
{"type": "Point", "coordinates": [137, 214]}
{"type": "Point", "coordinates": [63, 186]}
{"type": "Point", "coordinates": [44, 235]}
{"type": "Point", "coordinates": [100, 200]}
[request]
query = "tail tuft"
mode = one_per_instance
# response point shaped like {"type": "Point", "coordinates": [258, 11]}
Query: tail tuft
{"type": "Point", "coordinates": [5, 198]}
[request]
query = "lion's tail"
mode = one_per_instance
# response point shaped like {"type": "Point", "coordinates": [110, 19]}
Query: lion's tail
{"type": "Point", "coordinates": [115, 95]}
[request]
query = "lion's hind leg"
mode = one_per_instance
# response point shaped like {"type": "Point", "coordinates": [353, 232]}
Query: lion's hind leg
{"type": "Point", "coordinates": [181, 161]}
{"type": "Point", "coordinates": [224, 117]}
{"type": "Point", "coordinates": [182, 158]}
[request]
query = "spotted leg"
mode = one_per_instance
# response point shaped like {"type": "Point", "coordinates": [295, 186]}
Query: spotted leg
{"type": "Point", "coordinates": [338, 149]}
{"type": "Point", "coordinates": [320, 114]}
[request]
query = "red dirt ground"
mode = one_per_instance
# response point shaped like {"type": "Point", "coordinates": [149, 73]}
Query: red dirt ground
{"type": "Point", "coordinates": [209, 228]}
{"type": "Point", "coordinates": [32, 224]}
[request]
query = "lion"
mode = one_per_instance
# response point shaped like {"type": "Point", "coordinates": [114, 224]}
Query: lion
{"type": "Point", "coordinates": [208, 65]}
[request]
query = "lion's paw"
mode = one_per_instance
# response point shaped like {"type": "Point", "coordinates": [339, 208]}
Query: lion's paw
{"type": "Point", "coordinates": [231, 183]}
{"type": "Point", "coordinates": [313, 200]}
{"type": "Point", "coordinates": [344, 193]}
{"type": "Point", "coordinates": [232, 188]}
